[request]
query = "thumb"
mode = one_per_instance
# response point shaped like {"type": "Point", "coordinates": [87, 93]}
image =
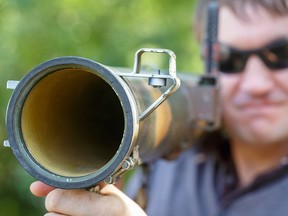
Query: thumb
{"type": "Point", "coordinates": [131, 207]}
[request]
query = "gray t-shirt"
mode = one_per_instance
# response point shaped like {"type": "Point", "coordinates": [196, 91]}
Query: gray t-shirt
{"type": "Point", "coordinates": [196, 185]}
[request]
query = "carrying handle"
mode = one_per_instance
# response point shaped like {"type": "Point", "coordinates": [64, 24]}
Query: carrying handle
{"type": "Point", "coordinates": [156, 80]}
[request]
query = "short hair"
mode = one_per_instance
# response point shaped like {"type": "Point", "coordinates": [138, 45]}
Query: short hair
{"type": "Point", "coordinates": [238, 7]}
{"type": "Point", "coordinates": [275, 7]}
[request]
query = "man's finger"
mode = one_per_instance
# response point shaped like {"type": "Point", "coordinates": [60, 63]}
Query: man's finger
{"type": "Point", "coordinates": [40, 189]}
{"type": "Point", "coordinates": [82, 202]}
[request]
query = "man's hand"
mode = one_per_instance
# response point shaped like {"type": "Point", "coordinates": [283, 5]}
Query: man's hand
{"type": "Point", "coordinates": [109, 202]}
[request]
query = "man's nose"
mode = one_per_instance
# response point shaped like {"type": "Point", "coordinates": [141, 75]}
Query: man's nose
{"type": "Point", "coordinates": [257, 78]}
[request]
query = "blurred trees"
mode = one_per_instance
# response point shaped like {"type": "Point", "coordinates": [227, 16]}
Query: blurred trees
{"type": "Point", "coordinates": [107, 31]}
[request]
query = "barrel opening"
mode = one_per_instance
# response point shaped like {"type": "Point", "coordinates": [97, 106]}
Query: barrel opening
{"type": "Point", "coordinates": [72, 122]}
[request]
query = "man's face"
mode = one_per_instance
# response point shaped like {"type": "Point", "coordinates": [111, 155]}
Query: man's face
{"type": "Point", "coordinates": [255, 100]}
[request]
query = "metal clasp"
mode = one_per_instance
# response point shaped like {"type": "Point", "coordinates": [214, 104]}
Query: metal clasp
{"type": "Point", "coordinates": [128, 164]}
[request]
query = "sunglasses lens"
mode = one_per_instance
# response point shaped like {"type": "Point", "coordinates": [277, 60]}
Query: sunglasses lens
{"type": "Point", "coordinates": [278, 57]}
{"type": "Point", "coordinates": [274, 55]}
{"type": "Point", "coordinates": [233, 63]}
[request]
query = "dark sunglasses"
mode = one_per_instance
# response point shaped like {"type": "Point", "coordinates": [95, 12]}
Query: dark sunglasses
{"type": "Point", "coordinates": [274, 55]}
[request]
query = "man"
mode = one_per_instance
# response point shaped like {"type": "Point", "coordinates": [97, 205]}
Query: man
{"type": "Point", "coordinates": [247, 175]}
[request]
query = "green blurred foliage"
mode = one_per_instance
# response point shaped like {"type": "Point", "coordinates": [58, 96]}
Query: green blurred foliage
{"type": "Point", "coordinates": [107, 31]}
